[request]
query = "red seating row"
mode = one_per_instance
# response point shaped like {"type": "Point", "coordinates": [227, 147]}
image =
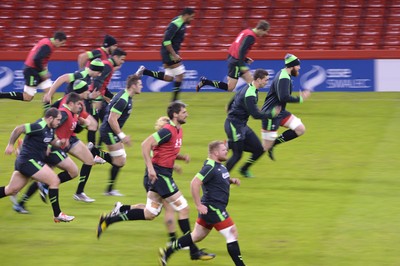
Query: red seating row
{"type": "Point", "coordinates": [140, 24]}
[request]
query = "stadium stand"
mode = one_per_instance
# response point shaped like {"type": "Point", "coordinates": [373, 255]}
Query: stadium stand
{"type": "Point", "coordinates": [304, 24]}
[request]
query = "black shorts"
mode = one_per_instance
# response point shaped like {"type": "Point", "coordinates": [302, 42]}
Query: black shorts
{"type": "Point", "coordinates": [32, 77]}
{"type": "Point", "coordinates": [165, 185]}
{"type": "Point", "coordinates": [28, 167]}
{"type": "Point", "coordinates": [109, 138]}
{"type": "Point", "coordinates": [237, 131]}
{"type": "Point", "coordinates": [56, 156]}
{"type": "Point", "coordinates": [274, 123]}
{"type": "Point", "coordinates": [214, 215]}
{"type": "Point", "coordinates": [167, 59]}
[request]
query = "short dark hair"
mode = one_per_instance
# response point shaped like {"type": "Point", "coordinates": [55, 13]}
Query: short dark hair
{"type": "Point", "coordinates": [132, 79]}
{"type": "Point", "coordinates": [73, 97]}
{"type": "Point", "coordinates": [260, 74]}
{"type": "Point", "coordinates": [60, 35]}
{"type": "Point", "coordinates": [262, 25]}
{"type": "Point", "coordinates": [174, 108]}
{"type": "Point", "coordinates": [52, 112]}
{"type": "Point", "coordinates": [187, 11]}
{"type": "Point", "coordinates": [119, 52]}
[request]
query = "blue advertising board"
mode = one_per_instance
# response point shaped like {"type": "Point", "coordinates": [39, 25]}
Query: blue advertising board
{"type": "Point", "coordinates": [316, 75]}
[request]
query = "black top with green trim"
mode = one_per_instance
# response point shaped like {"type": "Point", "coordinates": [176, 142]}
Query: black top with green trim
{"type": "Point", "coordinates": [174, 34]}
{"type": "Point", "coordinates": [244, 104]}
{"type": "Point", "coordinates": [82, 74]}
{"type": "Point", "coordinates": [280, 92]}
{"type": "Point", "coordinates": [37, 137]}
{"type": "Point", "coordinates": [216, 184]}
{"type": "Point", "coordinates": [120, 104]}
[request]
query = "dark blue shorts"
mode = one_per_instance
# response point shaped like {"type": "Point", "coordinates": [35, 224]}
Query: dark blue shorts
{"type": "Point", "coordinates": [165, 185]}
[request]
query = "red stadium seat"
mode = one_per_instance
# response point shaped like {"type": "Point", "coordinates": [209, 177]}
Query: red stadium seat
{"type": "Point", "coordinates": [142, 14]}
{"type": "Point", "coordinates": [325, 30]}
{"type": "Point", "coordinates": [328, 12]}
{"type": "Point", "coordinates": [119, 14]}
{"type": "Point", "coordinates": [301, 21]}
{"type": "Point", "coordinates": [353, 3]}
{"type": "Point", "coordinates": [329, 4]}
{"type": "Point", "coordinates": [321, 42]}
{"type": "Point", "coordinates": [216, 4]}
{"type": "Point", "coordinates": [275, 43]}
{"type": "Point", "coordinates": [74, 14]}
{"type": "Point", "coordinates": [278, 32]}
{"type": "Point", "coordinates": [371, 30]}
{"type": "Point", "coordinates": [347, 31]}
{"type": "Point", "coordinates": [394, 3]}
{"type": "Point", "coordinates": [211, 22]}
{"type": "Point", "coordinates": [302, 31]}
{"type": "Point", "coordinates": [70, 24]}
{"type": "Point", "coordinates": [232, 22]}
{"type": "Point", "coordinates": [345, 42]}
{"type": "Point", "coordinates": [238, 4]}
{"type": "Point", "coordinates": [392, 40]}
{"type": "Point", "coordinates": [376, 3]}
{"type": "Point", "coordinates": [213, 13]}
{"type": "Point", "coordinates": [305, 13]}
{"type": "Point", "coordinates": [323, 21]}
{"type": "Point", "coordinates": [100, 5]}
{"type": "Point", "coordinates": [394, 12]}
{"type": "Point", "coordinates": [234, 13]}
{"type": "Point", "coordinates": [351, 12]}
{"type": "Point", "coordinates": [374, 12]}
{"type": "Point", "coordinates": [24, 23]}
{"type": "Point", "coordinates": [118, 24]}
{"type": "Point", "coordinates": [124, 4]}
{"type": "Point", "coordinates": [196, 4]}
{"type": "Point", "coordinates": [392, 30]}
{"type": "Point", "coordinates": [297, 42]}
{"type": "Point", "coordinates": [8, 4]}
{"type": "Point", "coordinates": [307, 4]}
{"type": "Point", "coordinates": [281, 13]}
{"type": "Point", "coordinates": [92, 24]}
{"type": "Point", "coordinates": [350, 21]}
{"type": "Point", "coordinates": [229, 32]}
{"type": "Point", "coordinates": [379, 21]}
{"type": "Point", "coordinates": [284, 4]}
{"type": "Point", "coordinates": [79, 4]}
{"type": "Point", "coordinates": [167, 13]}
{"type": "Point", "coordinates": [258, 13]}
{"type": "Point", "coordinates": [369, 42]}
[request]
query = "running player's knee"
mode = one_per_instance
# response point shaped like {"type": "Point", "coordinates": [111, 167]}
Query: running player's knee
{"type": "Point", "coordinates": [119, 161]}
{"type": "Point", "coordinates": [300, 130]}
{"type": "Point", "coordinates": [180, 204]}
{"type": "Point", "coordinates": [153, 209]}
{"type": "Point", "coordinates": [230, 234]}
{"type": "Point", "coordinates": [269, 135]}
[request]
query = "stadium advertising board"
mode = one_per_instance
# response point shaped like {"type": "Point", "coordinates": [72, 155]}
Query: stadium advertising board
{"type": "Point", "coordinates": [317, 75]}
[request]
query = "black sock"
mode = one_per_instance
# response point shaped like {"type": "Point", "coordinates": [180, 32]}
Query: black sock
{"type": "Point", "coordinates": [217, 84]}
{"type": "Point", "coordinates": [171, 237]}
{"type": "Point", "coordinates": [91, 136]}
{"type": "Point", "coordinates": [46, 106]}
{"type": "Point", "coordinates": [286, 136]}
{"type": "Point", "coordinates": [253, 158]}
{"type": "Point", "coordinates": [184, 241]}
{"type": "Point", "coordinates": [83, 178]}
{"type": "Point", "coordinates": [105, 155]}
{"type": "Point", "coordinates": [131, 215]}
{"type": "Point", "coordinates": [64, 176]}
{"type": "Point", "coordinates": [154, 74]}
{"type": "Point", "coordinates": [124, 208]}
{"type": "Point", "coordinates": [19, 96]}
{"type": "Point", "coordinates": [175, 90]}
{"type": "Point", "coordinates": [2, 192]}
{"type": "Point", "coordinates": [234, 252]}
{"type": "Point", "coordinates": [53, 196]}
{"type": "Point", "coordinates": [31, 190]}
{"type": "Point", "coordinates": [113, 176]}
{"type": "Point", "coordinates": [185, 228]}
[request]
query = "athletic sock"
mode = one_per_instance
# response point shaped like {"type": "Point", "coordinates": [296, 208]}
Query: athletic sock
{"type": "Point", "coordinates": [131, 215]}
{"type": "Point", "coordinates": [171, 236]}
{"type": "Point", "coordinates": [286, 136]}
{"type": "Point", "coordinates": [154, 74]}
{"type": "Point", "coordinates": [83, 178]}
{"type": "Point", "coordinates": [53, 196]}
{"type": "Point", "coordinates": [31, 190]}
{"type": "Point", "coordinates": [91, 136]}
{"type": "Point", "coordinates": [217, 84]}
{"type": "Point", "coordinates": [185, 228]}
{"type": "Point", "coordinates": [103, 154]}
{"type": "Point", "coordinates": [113, 176]}
{"type": "Point", "coordinates": [234, 252]}
{"type": "Point", "coordinates": [2, 192]}
{"type": "Point", "coordinates": [64, 177]}
{"type": "Point", "coordinates": [184, 241]}
{"type": "Point", "coordinates": [124, 208]}
{"type": "Point", "coordinates": [176, 90]}
{"type": "Point", "coordinates": [19, 96]}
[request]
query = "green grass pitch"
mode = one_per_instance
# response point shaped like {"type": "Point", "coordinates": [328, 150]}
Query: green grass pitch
{"type": "Point", "coordinates": [330, 199]}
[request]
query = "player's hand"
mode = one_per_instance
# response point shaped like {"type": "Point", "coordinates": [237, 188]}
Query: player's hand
{"type": "Point", "coordinates": [64, 143]}
{"type": "Point", "coordinates": [235, 181]}
{"type": "Point", "coordinates": [176, 57]}
{"type": "Point", "coordinates": [277, 110]}
{"type": "Point", "coordinates": [152, 175]}
{"type": "Point", "coordinates": [94, 95]}
{"type": "Point", "coordinates": [202, 209]}
{"type": "Point", "coordinates": [127, 141]}
{"type": "Point", "coordinates": [47, 98]}
{"type": "Point", "coordinates": [305, 94]}
{"type": "Point", "coordinates": [177, 168]}
{"type": "Point", "coordinates": [186, 158]}
{"type": "Point", "coordinates": [249, 60]}
{"type": "Point", "coordinates": [9, 149]}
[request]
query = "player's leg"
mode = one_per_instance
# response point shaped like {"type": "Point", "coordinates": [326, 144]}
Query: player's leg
{"type": "Point", "coordinates": [235, 142]}
{"type": "Point", "coordinates": [228, 229]}
{"type": "Point", "coordinates": [253, 145]}
{"type": "Point", "coordinates": [233, 76]}
{"type": "Point", "coordinates": [17, 182]}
